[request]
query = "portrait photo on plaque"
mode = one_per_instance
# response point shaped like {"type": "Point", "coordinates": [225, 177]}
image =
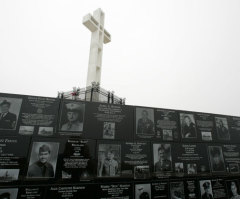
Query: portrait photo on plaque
{"type": "Point", "coordinates": [143, 191]}
{"type": "Point", "coordinates": [141, 172]}
{"type": "Point", "coordinates": [72, 116]}
{"type": "Point", "coordinates": [43, 160]}
{"type": "Point", "coordinates": [177, 190]}
{"type": "Point", "coordinates": [9, 112]}
{"type": "Point", "coordinates": [8, 193]}
{"type": "Point", "coordinates": [206, 191]}
{"type": "Point", "coordinates": [108, 130]}
{"type": "Point", "coordinates": [8, 175]}
{"type": "Point", "coordinates": [233, 189]}
{"type": "Point", "coordinates": [109, 160]}
{"type": "Point", "coordinates": [162, 158]}
{"type": "Point", "coordinates": [144, 121]}
{"type": "Point", "coordinates": [188, 126]}
{"type": "Point", "coordinates": [216, 159]}
{"type": "Point", "coordinates": [222, 128]}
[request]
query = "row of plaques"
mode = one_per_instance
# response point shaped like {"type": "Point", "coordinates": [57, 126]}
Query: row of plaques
{"type": "Point", "coordinates": [68, 160]}
{"type": "Point", "coordinates": [219, 188]}
{"type": "Point", "coordinates": [24, 115]}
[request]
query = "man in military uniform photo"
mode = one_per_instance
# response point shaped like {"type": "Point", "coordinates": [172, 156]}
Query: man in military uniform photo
{"type": "Point", "coordinates": [7, 119]}
{"type": "Point", "coordinates": [145, 125]}
{"type": "Point", "coordinates": [207, 191]}
{"type": "Point", "coordinates": [74, 112]}
{"type": "Point", "coordinates": [143, 194]}
{"type": "Point", "coordinates": [108, 166]}
{"type": "Point", "coordinates": [42, 168]}
{"type": "Point", "coordinates": [217, 161]}
{"type": "Point", "coordinates": [5, 195]}
{"type": "Point", "coordinates": [222, 130]}
{"type": "Point", "coordinates": [163, 163]}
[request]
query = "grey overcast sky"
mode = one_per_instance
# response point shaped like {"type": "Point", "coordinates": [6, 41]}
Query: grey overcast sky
{"type": "Point", "coordinates": [168, 54]}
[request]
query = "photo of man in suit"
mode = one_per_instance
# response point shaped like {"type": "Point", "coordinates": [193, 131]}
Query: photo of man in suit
{"type": "Point", "coordinates": [145, 125]}
{"type": "Point", "coordinates": [164, 163]}
{"type": "Point", "coordinates": [7, 119]}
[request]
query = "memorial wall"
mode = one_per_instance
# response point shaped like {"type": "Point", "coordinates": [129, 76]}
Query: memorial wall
{"type": "Point", "coordinates": [56, 148]}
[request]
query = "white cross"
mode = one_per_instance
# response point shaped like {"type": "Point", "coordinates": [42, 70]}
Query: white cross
{"type": "Point", "coordinates": [95, 24]}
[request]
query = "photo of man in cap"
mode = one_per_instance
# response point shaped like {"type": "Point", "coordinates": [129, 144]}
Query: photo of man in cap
{"type": "Point", "coordinates": [145, 124]}
{"type": "Point", "coordinates": [206, 191]}
{"type": "Point", "coordinates": [7, 119]}
{"type": "Point", "coordinates": [74, 117]}
{"type": "Point", "coordinates": [42, 168]}
{"type": "Point", "coordinates": [216, 157]}
{"type": "Point", "coordinates": [163, 160]}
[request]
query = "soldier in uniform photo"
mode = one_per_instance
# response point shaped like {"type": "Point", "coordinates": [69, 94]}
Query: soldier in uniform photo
{"type": "Point", "coordinates": [42, 168]}
{"type": "Point", "coordinates": [207, 191]}
{"type": "Point", "coordinates": [74, 111]}
{"type": "Point", "coordinates": [188, 127]}
{"type": "Point", "coordinates": [234, 191]}
{"type": "Point", "coordinates": [108, 166]}
{"type": "Point", "coordinates": [217, 161]}
{"type": "Point", "coordinates": [145, 125]}
{"type": "Point", "coordinates": [163, 163]}
{"type": "Point", "coordinates": [142, 193]}
{"type": "Point", "coordinates": [7, 119]}
{"type": "Point", "coordinates": [222, 130]}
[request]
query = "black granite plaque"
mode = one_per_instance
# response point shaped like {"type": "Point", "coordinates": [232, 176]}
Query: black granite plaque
{"type": "Point", "coordinates": [77, 161]}
{"type": "Point", "coordinates": [166, 125]}
{"type": "Point", "coordinates": [39, 116]}
{"type": "Point", "coordinates": [205, 127]}
{"type": "Point", "coordinates": [219, 189]}
{"type": "Point", "coordinates": [191, 189]}
{"type": "Point", "coordinates": [231, 154]}
{"type": "Point", "coordinates": [83, 191]}
{"type": "Point", "coordinates": [109, 121]}
{"type": "Point", "coordinates": [136, 160]}
{"type": "Point", "coordinates": [115, 191]}
{"type": "Point", "coordinates": [13, 158]}
{"type": "Point", "coordinates": [160, 189]}
{"type": "Point", "coordinates": [31, 192]}
{"type": "Point", "coordinates": [234, 123]}
{"type": "Point", "coordinates": [190, 159]}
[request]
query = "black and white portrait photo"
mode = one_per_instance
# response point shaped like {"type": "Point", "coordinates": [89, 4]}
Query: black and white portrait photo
{"type": "Point", "coordinates": [233, 189]}
{"type": "Point", "coordinates": [191, 169]}
{"type": "Point", "coordinates": [216, 158]}
{"type": "Point", "coordinates": [177, 190]}
{"type": "Point", "coordinates": [162, 157]}
{"type": "Point", "coordinates": [43, 160]}
{"type": "Point", "coordinates": [206, 189]}
{"type": "Point", "coordinates": [72, 116]}
{"type": "Point", "coordinates": [26, 130]}
{"type": "Point", "coordinates": [179, 168]}
{"type": "Point", "coordinates": [8, 193]}
{"type": "Point", "coordinates": [9, 112]}
{"type": "Point", "coordinates": [222, 128]}
{"type": "Point", "coordinates": [108, 130]}
{"type": "Point", "coordinates": [188, 126]}
{"type": "Point", "coordinates": [142, 191]}
{"type": "Point", "coordinates": [145, 121]}
{"type": "Point", "coordinates": [8, 175]}
{"type": "Point", "coordinates": [45, 131]}
{"type": "Point", "coordinates": [109, 160]}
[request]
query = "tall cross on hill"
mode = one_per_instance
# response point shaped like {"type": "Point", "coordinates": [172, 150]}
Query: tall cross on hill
{"type": "Point", "coordinates": [100, 36]}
